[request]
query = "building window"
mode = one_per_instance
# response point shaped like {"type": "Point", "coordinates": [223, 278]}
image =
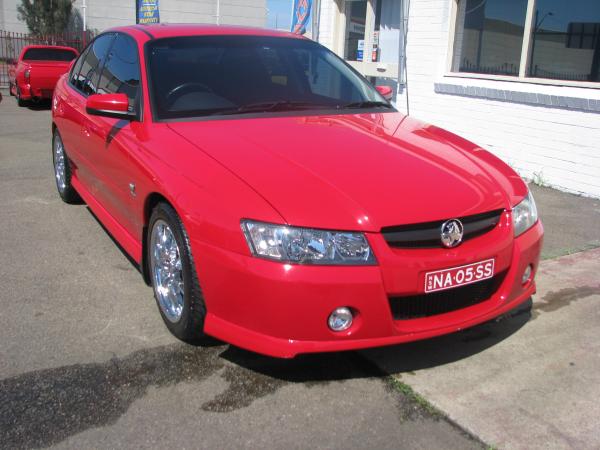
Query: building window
{"type": "Point", "coordinates": [354, 40]}
{"type": "Point", "coordinates": [552, 39]}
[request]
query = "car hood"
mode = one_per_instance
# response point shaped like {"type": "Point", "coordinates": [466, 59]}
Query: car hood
{"type": "Point", "coordinates": [358, 171]}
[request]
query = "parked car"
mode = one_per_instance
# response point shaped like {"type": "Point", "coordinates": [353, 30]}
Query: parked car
{"type": "Point", "coordinates": [274, 199]}
{"type": "Point", "coordinates": [33, 76]}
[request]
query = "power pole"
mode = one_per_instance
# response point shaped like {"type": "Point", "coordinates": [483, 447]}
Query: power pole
{"type": "Point", "coordinates": [83, 7]}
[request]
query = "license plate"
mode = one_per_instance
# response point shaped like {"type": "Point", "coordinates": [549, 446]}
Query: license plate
{"type": "Point", "coordinates": [440, 280]}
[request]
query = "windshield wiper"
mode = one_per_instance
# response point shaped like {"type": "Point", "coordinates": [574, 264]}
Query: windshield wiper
{"type": "Point", "coordinates": [279, 105]}
{"type": "Point", "coordinates": [365, 104]}
{"type": "Point", "coordinates": [290, 105]}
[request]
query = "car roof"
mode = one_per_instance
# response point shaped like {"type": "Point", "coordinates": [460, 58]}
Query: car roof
{"type": "Point", "coordinates": [158, 31]}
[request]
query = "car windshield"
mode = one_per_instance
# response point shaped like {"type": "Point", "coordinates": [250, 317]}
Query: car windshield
{"type": "Point", "coordinates": [49, 54]}
{"type": "Point", "coordinates": [220, 75]}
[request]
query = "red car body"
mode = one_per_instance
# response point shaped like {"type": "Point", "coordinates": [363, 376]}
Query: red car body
{"type": "Point", "coordinates": [285, 170]}
{"type": "Point", "coordinates": [35, 79]}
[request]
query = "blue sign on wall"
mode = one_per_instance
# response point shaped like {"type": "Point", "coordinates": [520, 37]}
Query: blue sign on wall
{"type": "Point", "coordinates": [301, 16]}
{"type": "Point", "coordinates": [147, 12]}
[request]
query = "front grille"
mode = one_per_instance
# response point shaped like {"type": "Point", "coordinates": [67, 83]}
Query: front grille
{"type": "Point", "coordinates": [441, 302]}
{"type": "Point", "coordinates": [428, 234]}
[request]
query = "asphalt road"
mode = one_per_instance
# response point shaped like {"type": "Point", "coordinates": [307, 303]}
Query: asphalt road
{"type": "Point", "coordinates": [85, 360]}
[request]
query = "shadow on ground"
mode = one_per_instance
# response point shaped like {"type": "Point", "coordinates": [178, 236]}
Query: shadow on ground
{"type": "Point", "coordinates": [44, 407]}
{"type": "Point", "coordinates": [446, 349]}
{"type": "Point", "coordinates": [42, 105]}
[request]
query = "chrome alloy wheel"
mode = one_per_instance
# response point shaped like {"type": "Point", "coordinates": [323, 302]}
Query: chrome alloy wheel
{"type": "Point", "coordinates": [59, 165]}
{"type": "Point", "coordinates": [167, 270]}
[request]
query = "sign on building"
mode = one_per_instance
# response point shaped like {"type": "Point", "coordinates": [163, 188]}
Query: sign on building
{"type": "Point", "coordinates": [147, 12]}
{"type": "Point", "coordinates": [301, 16]}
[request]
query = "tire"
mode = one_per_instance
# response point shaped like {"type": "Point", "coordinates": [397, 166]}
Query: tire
{"type": "Point", "coordinates": [62, 171]}
{"type": "Point", "coordinates": [20, 101]}
{"type": "Point", "coordinates": [181, 305]}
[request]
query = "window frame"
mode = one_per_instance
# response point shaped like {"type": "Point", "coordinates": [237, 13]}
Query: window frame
{"type": "Point", "coordinates": [524, 62]}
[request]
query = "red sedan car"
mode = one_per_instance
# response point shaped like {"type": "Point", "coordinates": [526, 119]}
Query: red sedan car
{"type": "Point", "coordinates": [276, 200]}
{"type": "Point", "coordinates": [37, 70]}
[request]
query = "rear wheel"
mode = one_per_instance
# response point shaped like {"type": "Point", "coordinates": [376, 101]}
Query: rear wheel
{"type": "Point", "coordinates": [62, 171]}
{"type": "Point", "coordinates": [173, 275]}
{"type": "Point", "coordinates": [20, 101]}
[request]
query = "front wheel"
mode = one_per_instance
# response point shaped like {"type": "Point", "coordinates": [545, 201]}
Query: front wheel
{"type": "Point", "coordinates": [173, 275]}
{"type": "Point", "coordinates": [62, 171]}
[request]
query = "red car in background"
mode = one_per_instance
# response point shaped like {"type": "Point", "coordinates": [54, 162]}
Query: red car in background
{"type": "Point", "coordinates": [274, 199]}
{"type": "Point", "coordinates": [34, 75]}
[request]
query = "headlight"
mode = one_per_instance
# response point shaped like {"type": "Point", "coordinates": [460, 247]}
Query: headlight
{"type": "Point", "coordinates": [306, 245]}
{"type": "Point", "coordinates": [524, 215]}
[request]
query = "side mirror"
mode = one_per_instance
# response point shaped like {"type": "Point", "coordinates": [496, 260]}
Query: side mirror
{"type": "Point", "coordinates": [386, 92]}
{"type": "Point", "coordinates": [109, 105]}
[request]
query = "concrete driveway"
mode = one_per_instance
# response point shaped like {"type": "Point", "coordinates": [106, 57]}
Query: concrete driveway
{"type": "Point", "coordinates": [85, 360]}
{"type": "Point", "coordinates": [531, 381]}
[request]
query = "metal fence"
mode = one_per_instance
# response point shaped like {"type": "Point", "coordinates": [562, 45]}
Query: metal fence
{"type": "Point", "coordinates": [11, 45]}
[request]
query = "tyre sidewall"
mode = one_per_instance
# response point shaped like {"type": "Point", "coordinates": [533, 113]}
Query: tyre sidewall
{"type": "Point", "coordinates": [190, 324]}
{"type": "Point", "coordinates": [20, 101]}
{"type": "Point", "coordinates": [69, 194]}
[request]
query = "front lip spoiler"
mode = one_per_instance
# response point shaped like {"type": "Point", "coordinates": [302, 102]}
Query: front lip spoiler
{"type": "Point", "coordinates": [290, 348]}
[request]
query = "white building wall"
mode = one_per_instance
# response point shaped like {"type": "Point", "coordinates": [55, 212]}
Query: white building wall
{"type": "Point", "coordinates": [9, 17]}
{"type": "Point", "coordinates": [558, 145]}
{"type": "Point", "coordinates": [327, 22]}
{"type": "Point", "coordinates": [103, 14]}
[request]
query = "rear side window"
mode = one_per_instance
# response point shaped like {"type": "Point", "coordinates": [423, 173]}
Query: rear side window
{"type": "Point", "coordinates": [49, 54]}
{"type": "Point", "coordinates": [77, 66]}
{"type": "Point", "coordinates": [121, 72]}
{"type": "Point", "coordinates": [87, 76]}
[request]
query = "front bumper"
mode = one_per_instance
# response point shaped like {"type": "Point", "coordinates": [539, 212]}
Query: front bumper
{"type": "Point", "coordinates": [281, 310]}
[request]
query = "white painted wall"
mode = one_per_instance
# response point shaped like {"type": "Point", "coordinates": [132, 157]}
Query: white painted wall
{"type": "Point", "coordinates": [102, 14]}
{"type": "Point", "coordinates": [560, 146]}
{"type": "Point", "coordinates": [8, 17]}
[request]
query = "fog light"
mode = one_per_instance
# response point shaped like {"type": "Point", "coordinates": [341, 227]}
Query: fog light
{"type": "Point", "coordinates": [526, 275]}
{"type": "Point", "coordinates": [340, 319]}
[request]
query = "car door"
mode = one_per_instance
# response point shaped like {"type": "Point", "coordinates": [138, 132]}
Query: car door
{"type": "Point", "coordinates": [109, 140]}
{"type": "Point", "coordinates": [83, 80]}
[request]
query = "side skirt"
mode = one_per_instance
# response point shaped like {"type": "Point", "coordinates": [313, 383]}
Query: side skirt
{"type": "Point", "coordinates": [122, 236]}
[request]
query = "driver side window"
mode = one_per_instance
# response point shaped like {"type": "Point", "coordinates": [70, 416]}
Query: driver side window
{"type": "Point", "coordinates": [121, 73]}
{"type": "Point", "coordinates": [86, 71]}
